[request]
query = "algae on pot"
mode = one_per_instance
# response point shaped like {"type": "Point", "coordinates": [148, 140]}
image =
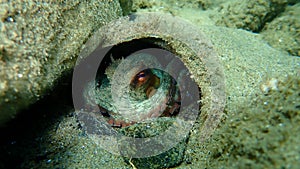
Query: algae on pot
{"type": "Point", "coordinates": [135, 33]}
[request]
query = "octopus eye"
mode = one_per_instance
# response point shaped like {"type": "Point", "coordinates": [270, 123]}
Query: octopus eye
{"type": "Point", "coordinates": [141, 76]}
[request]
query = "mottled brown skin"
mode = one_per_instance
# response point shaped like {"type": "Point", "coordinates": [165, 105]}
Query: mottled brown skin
{"type": "Point", "coordinates": [149, 82]}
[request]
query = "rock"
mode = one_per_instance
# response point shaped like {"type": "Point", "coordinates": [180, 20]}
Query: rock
{"type": "Point", "coordinates": [40, 42]}
{"type": "Point", "coordinates": [249, 15]}
{"type": "Point", "coordinates": [283, 31]}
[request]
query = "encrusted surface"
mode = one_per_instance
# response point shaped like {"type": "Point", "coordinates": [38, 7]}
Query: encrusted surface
{"type": "Point", "coordinates": [284, 31]}
{"type": "Point", "coordinates": [39, 43]}
{"type": "Point", "coordinates": [261, 129]}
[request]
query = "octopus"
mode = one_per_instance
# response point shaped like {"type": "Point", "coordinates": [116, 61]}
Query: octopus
{"type": "Point", "coordinates": [130, 92]}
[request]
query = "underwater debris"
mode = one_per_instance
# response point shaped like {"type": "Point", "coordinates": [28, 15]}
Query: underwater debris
{"type": "Point", "coordinates": [184, 63]}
